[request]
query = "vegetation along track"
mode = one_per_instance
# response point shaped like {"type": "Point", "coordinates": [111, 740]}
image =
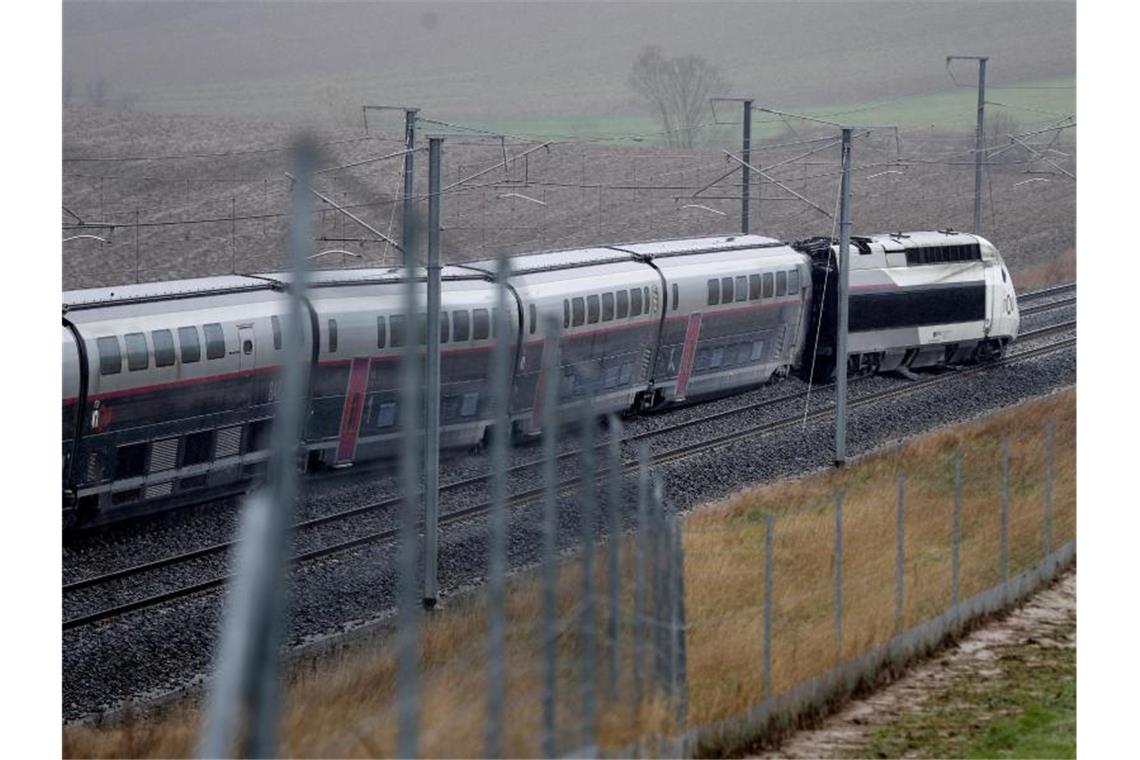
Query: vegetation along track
{"type": "Point", "coordinates": [531, 495]}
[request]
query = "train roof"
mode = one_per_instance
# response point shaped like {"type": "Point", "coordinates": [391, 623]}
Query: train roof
{"type": "Point", "coordinates": [153, 291]}
{"type": "Point", "coordinates": [696, 246]}
{"type": "Point", "coordinates": [896, 241]}
{"type": "Point", "coordinates": [149, 292]}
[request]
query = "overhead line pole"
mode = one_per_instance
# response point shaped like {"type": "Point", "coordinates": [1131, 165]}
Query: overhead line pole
{"type": "Point", "coordinates": [745, 174]}
{"type": "Point", "coordinates": [980, 136]}
{"type": "Point", "coordinates": [409, 179]}
{"type": "Point", "coordinates": [431, 421]}
{"type": "Point", "coordinates": [844, 282]}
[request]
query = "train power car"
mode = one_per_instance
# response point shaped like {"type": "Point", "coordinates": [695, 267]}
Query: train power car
{"type": "Point", "coordinates": [917, 299]}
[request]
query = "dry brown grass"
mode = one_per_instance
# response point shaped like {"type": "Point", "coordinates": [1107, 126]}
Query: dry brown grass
{"type": "Point", "coordinates": [1055, 271]}
{"type": "Point", "coordinates": [345, 707]}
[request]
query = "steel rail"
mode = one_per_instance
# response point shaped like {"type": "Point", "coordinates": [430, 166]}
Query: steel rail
{"type": "Point", "coordinates": [530, 495]}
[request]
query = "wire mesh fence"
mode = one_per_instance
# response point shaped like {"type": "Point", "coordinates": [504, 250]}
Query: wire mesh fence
{"type": "Point", "coordinates": [681, 635]}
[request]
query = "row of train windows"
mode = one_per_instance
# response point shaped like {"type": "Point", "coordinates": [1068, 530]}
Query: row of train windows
{"type": "Point", "coordinates": [138, 355]}
{"type": "Point", "coordinates": [753, 287]}
{"type": "Point", "coordinates": [603, 308]}
{"type": "Point", "coordinates": [454, 327]}
{"type": "Point", "coordinates": [940, 254]}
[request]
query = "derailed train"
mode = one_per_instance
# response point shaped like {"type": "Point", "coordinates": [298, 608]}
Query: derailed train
{"type": "Point", "coordinates": [169, 388]}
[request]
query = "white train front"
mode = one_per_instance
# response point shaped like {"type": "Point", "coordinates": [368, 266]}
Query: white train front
{"type": "Point", "coordinates": [169, 388]}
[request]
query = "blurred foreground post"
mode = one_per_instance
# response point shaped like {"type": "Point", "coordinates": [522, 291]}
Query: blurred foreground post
{"type": "Point", "coordinates": [639, 572]}
{"type": "Point", "coordinates": [497, 550]}
{"type": "Point", "coordinates": [246, 678]}
{"type": "Point", "coordinates": [956, 536]}
{"type": "Point", "coordinates": [587, 672]}
{"type": "Point", "coordinates": [411, 438]}
{"type": "Point", "coordinates": [613, 529]}
{"type": "Point", "coordinates": [550, 393]}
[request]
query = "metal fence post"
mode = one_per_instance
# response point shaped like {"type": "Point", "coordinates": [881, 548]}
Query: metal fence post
{"type": "Point", "coordinates": [1003, 549]}
{"type": "Point", "coordinates": [588, 664]}
{"type": "Point", "coordinates": [411, 437]}
{"type": "Point", "coordinates": [839, 575]}
{"type": "Point", "coordinates": [1048, 488]}
{"type": "Point", "coordinates": [613, 528]}
{"type": "Point", "coordinates": [956, 536]}
{"type": "Point", "coordinates": [247, 663]}
{"type": "Point", "coordinates": [769, 527]}
{"type": "Point", "coordinates": [639, 572]}
{"type": "Point", "coordinates": [550, 371]}
{"type": "Point", "coordinates": [497, 550]}
{"type": "Point", "coordinates": [680, 658]}
{"type": "Point", "coordinates": [900, 555]}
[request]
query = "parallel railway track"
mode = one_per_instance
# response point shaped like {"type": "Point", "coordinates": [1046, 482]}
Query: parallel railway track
{"type": "Point", "coordinates": [531, 495]}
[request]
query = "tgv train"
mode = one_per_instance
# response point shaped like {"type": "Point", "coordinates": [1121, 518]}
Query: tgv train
{"type": "Point", "coordinates": [169, 388]}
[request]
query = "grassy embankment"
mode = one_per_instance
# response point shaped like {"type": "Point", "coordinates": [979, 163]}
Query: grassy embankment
{"type": "Point", "coordinates": [343, 706]}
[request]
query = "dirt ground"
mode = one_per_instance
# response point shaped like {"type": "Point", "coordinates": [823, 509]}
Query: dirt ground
{"type": "Point", "coordinates": [905, 718]}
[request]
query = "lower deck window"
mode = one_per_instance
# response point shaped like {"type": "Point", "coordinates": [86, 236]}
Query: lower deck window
{"type": "Point", "coordinates": [130, 460]}
{"type": "Point", "coordinates": [198, 448]}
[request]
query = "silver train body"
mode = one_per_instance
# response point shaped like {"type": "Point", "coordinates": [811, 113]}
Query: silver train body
{"type": "Point", "coordinates": [169, 388]}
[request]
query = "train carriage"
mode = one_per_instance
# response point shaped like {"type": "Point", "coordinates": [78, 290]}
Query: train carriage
{"type": "Point", "coordinates": [168, 387]}
{"type": "Point", "coordinates": [735, 316]}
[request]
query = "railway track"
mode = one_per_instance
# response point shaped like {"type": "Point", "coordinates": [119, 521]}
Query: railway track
{"type": "Point", "coordinates": [530, 495]}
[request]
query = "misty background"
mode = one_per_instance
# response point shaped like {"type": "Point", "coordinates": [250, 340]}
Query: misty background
{"type": "Point", "coordinates": [490, 61]}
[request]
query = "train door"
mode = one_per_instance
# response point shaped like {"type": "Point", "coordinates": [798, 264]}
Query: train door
{"type": "Point", "coordinates": [245, 347]}
{"type": "Point", "coordinates": [993, 275]}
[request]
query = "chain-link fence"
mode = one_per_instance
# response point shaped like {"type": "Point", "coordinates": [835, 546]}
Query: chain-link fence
{"type": "Point", "coordinates": [677, 636]}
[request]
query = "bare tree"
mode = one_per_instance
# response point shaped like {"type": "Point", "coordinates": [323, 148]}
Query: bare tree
{"type": "Point", "coordinates": [678, 90]}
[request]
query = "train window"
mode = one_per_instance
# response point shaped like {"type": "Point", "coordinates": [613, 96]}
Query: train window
{"type": "Point", "coordinates": [622, 304]}
{"type": "Point", "coordinates": [781, 283]}
{"type": "Point", "coordinates": [635, 302]}
{"type": "Point", "coordinates": [333, 337]}
{"type": "Point", "coordinates": [276, 324]}
{"type": "Point", "coordinates": [138, 358]}
{"type": "Point", "coordinates": [481, 325]}
{"type": "Point", "coordinates": [130, 460]}
{"type": "Point", "coordinates": [163, 347]}
{"type": "Point", "coordinates": [676, 296]}
{"type": "Point", "coordinates": [753, 287]}
{"type": "Point", "coordinates": [794, 282]}
{"type": "Point", "coordinates": [565, 312]}
{"type": "Point", "coordinates": [110, 360]}
{"type": "Point", "coordinates": [741, 288]}
{"type": "Point", "coordinates": [444, 327]}
{"type": "Point", "coordinates": [579, 311]}
{"type": "Point", "coordinates": [396, 323]}
{"type": "Point", "coordinates": [533, 318]}
{"type": "Point", "coordinates": [726, 290]}
{"type": "Point", "coordinates": [592, 309]}
{"type": "Point", "coordinates": [198, 448]}
{"type": "Point", "coordinates": [421, 329]}
{"type": "Point", "coordinates": [769, 285]}
{"type": "Point", "coordinates": [460, 325]}
{"type": "Point", "coordinates": [607, 307]}
{"type": "Point", "coordinates": [714, 292]}
{"type": "Point", "coordinates": [381, 332]}
{"type": "Point", "coordinates": [188, 342]}
{"type": "Point", "coordinates": [647, 301]}
{"type": "Point", "coordinates": [215, 341]}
